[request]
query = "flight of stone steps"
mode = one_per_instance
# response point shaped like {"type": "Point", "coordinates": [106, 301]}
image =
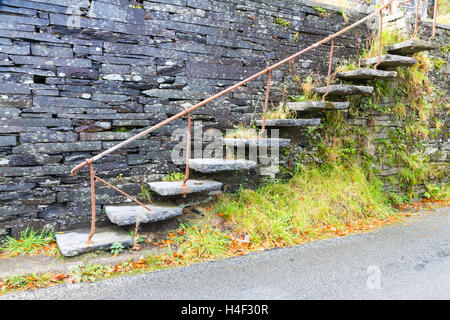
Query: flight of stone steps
{"type": "Point", "coordinates": [74, 242]}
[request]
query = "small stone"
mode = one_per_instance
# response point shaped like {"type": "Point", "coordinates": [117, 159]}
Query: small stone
{"type": "Point", "coordinates": [366, 74]}
{"type": "Point", "coordinates": [208, 165]}
{"type": "Point", "coordinates": [280, 143]}
{"type": "Point", "coordinates": [290, 122]}
{"type": "Point", "coordinates": [389, 60]}
{"type": "Point", "coordinates": [345, 90]}
{"type": "Point", "coordinates": [317, 105]}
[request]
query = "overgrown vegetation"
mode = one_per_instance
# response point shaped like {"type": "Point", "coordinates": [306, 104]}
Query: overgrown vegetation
{"type": "Point", "coordinates": [388, 37]}
{"type": "Point", "coordinates": [280, 112]}
{"type": "Point", "coordinates": [285, 212]}
{"type": "Point", "coordinates": [242, 132]}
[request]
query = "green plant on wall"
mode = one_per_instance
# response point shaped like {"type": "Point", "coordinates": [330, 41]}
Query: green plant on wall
{"type": "Point", "coordinates": [282, 22]}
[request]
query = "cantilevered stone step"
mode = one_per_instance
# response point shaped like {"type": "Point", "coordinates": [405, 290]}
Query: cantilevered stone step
{"type": "Point", "coordinates": [73, 243]}
{"type": "Point", "coordinates": [280, 143]}
{"type": "Point", "coordinates": [345, 90]}
{"type": "Point", "coordinates": [317, 105]}
{"type": "Point", "coordinates": [389, 60]}
{"type": "Point", "coordinates": [366, 74]}
{"type": "Point", "coordinates": [289, 122]}
{"type": "Point", "coordinates": [410, 47]}
{"type": "Point", "coordinates": [126, 215]}
{"type": "Point", "coordinates": [208, 165]}
{"type": "Point", "coordinates": [170, 188]}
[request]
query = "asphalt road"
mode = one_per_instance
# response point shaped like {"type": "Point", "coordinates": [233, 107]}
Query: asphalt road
{"type": "Point", "coordinates": [404, 261]}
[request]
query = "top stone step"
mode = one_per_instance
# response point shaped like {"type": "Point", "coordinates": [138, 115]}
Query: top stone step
{"type": "Point", "coordinates": [410, 47]}
{"type": "Point", "coordinates": [389, 60]}
{"type": "Point", "coordinates": [366, 74]}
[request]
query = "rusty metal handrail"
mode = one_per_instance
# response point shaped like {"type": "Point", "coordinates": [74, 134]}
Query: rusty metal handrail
{"type": "Point", "coordinates": [256, 75]}
{"type": "Point", "coordinates": [187, 111]}
{"type": "Point", "coordinates": [416, 23]}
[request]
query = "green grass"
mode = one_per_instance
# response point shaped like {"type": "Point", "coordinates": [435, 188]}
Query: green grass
{"type": "Point", "coordinates": [175, 176]}
{"type": "Point", "coordinates": [282, 22]}
{"type": "Point", "coordinates": [281, 112]}
{"type": "Point", "coordinates": [316, 196]}
{"type": "Point", "coordinates": [28, 242]}
{"type": "Point", "coordinates": [202, 241]}
{"type": "Point", "coordinates": [387, 37]}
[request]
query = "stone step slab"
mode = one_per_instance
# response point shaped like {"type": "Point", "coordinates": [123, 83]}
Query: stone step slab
{"type": "Point", "coordinates": [317, 105]}
{"type": "Point", "coordinates": [366, 74]}
{"type": "Point", "coordinates": [73, 243]}
{"type": "Point", "coordinates": [127, 215]}
{"type": "Point", "coordinates": [345, 90]}
{"type": "Point", "coordinates": [389, 60]}
{"type": "Point", "coordinates": [209, 165]}
{"type": "Point", "coordinates": [289, 122]}
{"type": "Point", "coordinates": [280, 143]}
{"type": "Point", "coordinates": [170, 188]}
{"type": "Point", "coordinates": [410, 47]}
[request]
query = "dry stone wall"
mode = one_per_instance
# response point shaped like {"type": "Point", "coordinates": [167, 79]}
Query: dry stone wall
{"type": "Point", "coordinates": [79, 76]}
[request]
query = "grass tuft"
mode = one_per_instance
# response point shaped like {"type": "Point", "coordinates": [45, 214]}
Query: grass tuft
{"type": "Point", "coordinates": [28, 243]}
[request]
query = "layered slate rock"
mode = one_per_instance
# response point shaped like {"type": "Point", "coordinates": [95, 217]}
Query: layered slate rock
{"type": "Point", "coordinates": [126, 215]}
{"type": "Point", "coordinates": [281, 143]}
{"type": "Point", "coordinates": [389, 60]}
{"type": "Point", "coordinates": [171, 188]}
{"type": "Point", "coordinates": [345, 90]}
{"type": "Point", "coordinates": [410, 47]}
{"type": "Point", "coordinates": [208, 165]}
{"type": "Point", "coordinates": [366, 74]}
{"type": "Point", "coordinates": [74, 242]}
{"type": "Point", "coordinates": [290, 122]}
{"type": "Point", "coordinates": [317, 105]}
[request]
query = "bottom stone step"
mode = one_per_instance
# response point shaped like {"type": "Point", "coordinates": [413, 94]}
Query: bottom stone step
{"type": "Point", "coordinates": [73, 242]}
{"type": "Point", "coordinates": [126, 215]}
{"type": "Point", "coordinates": [208, 165]}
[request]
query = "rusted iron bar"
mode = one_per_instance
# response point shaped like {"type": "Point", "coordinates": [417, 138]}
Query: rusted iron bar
{"type": "Point", "coordinates": [329, 70]}
{"type": "Point", "coordinates": [434, 20]}
{"type": "Point", "coordinates": [417, 20]}
{"type": "Point", "coordinates": [92, 176]}
{"type": "Point", "coordinates": [184, 186]}
{"type": "Point", "coordinates": [266, 104]}
{"type": "Point", "coordinates": [380, 31]}
{"type": "Point", "coordinates": [256, 75]}
{"type": "Point", "coordinates": [124, 193]}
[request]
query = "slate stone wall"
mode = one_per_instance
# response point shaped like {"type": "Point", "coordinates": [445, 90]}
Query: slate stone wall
{"type": "Point", "coordinates": [79, 76]}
